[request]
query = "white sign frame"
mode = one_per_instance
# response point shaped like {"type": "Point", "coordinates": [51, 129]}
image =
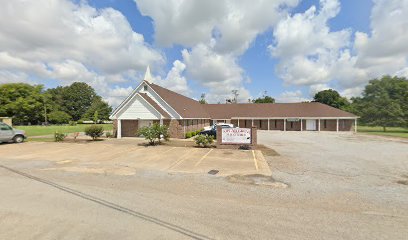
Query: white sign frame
{"type": "Point", "coordinates": [236, 136]}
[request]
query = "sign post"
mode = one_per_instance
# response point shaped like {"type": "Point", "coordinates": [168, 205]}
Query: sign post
{"type": "Point", "coordinates": [236, 137]}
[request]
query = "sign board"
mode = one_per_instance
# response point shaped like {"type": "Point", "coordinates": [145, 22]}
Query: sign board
{"type": "Point", "coordinates": [236, 136]}
{"type": "Point", "coordinates": [293, 119]}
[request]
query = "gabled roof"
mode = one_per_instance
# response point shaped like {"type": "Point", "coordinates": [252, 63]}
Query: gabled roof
{"type": "Point", "coordinates": [284, 110]}
{"type": "Point", "coordinates": [184, 106]}
{"type": "Point", "coordinates": [154, 105]}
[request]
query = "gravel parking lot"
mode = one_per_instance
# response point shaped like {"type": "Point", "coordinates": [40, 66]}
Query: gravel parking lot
{"type": "Point", "coordinates": [341, 186]}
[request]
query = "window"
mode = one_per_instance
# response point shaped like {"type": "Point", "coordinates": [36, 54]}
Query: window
{"type": "Point", "coordinates": [291, 124]}
{"type": "Point", "coordinates": [343, 123]}
{"type": "Point", "coordinates": [276, 123]}
{"type": "Point", "coordinates": [325, 123]}
{"type": "Point", "coordinates": [145, 87]}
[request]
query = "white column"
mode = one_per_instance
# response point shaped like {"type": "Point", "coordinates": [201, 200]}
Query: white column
{"type": "Point", "coordinates": [337, 125]}
{"type": "Point", "coordinates": [161, 121]}
{"type": "Point", "coordinates": [301, 125]}
{"type": "Point", "coordinates": [355, 125]}
{"type": "Point", "coordinates": [284, 124]}
{"type": "Point", "coordinates": [268, 124]}
{"type": "Point", "coordinates": [319, 124]}
{"type": "Point", "coordinates": [119, 135]}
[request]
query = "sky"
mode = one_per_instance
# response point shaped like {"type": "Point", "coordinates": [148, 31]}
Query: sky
{"type": "Point", "coordinates": [288, 49]}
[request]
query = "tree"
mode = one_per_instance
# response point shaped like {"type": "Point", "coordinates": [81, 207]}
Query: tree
{"type": "Point", "coordinates": [264, 99]}
{"type": "Point", "coordinates": [202, 99]}
{"type": "Point", "coordinates": [332, 98]}
{"type": "Point", "coordinates": [75, 99]}
{"type": "Point", "coordinates": [23, 102]}
{"type": "Point", "coordinates": [156, 131]}
{"type": "Point", "coordinates": [100, 106]}
{"type": "Point", "coordinates": [384, 103]}
{"type": "Point", "coordinates": [59, 117]}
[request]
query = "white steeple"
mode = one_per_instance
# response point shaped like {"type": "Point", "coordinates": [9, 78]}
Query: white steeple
{"type": "Point", "coordinates": [148, 75]}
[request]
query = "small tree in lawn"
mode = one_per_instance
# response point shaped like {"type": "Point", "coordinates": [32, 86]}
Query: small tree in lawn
{"type": "Point", "coordinates": [94, 132]}
{"type": "Point", "coordinates": [148, 133]}
{"type": "Point", "coordinates": [95, 117]}
{"type": "Point", "coordinates": [156, 131]}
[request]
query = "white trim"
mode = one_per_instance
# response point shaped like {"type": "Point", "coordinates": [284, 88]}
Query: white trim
{"type": "Point", "coordinates": [284, 125]}
{"type": "Point", "coordinates": [248, 118]}
{"type": "Point", "coordinates": [301, 125]}
{"type": "Point", "coordinates": [138, 94]}
{"type": "Point", "coordinates": [133, 94]}
{"type": "Point", "coordinates": [119, 133]}
{"type": "Point", "coordinates": [337, 125]}
{"type": "Point", "coordinates": [319, 125]}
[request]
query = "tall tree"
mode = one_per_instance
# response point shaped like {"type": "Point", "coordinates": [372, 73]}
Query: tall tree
{"type": "Point", "coordinates": [264, 99]}
{"type": "Point", "coordinates": [384, 102]}
{"type": "Point", "coordinates": [100, 107]}
{"type": "Point", "coordinates": [332, 98]}
{"type": "Point", "coordinates": [202, 99]}
{"type": "Point", "coordinates": [23, 102]}
{"type": "Point", "coordinates": [75, 99]}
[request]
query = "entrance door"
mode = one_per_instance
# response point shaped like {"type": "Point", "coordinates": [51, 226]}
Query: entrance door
{"type": "Point", "coordinates": [145, 123]}
{"type": "Point", "coordinates": [310, 124]}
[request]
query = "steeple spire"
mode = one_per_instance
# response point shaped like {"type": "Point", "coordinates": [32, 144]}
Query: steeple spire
{"type": "Point", "coordinates": [148, 75]}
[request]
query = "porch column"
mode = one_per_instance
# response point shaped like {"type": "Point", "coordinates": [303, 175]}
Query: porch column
{"type": "Point", "coordinates": [319, 124]}
{"type": "Point", "coordinates": [284, 124]}
{"type": "Point", "coordinates": [119, 135]}
{"type": "Point", "coordinates": [161, 121]}
{"type": "Point", "coordinates": [301, 125]}
{"type": "Point", "coordinates": [355, 125]}
{"type": "Point", "coordinates": [252, 122]}
{"type": "Point", "coordinates": [268, 124]}
{"type": "Point", "coordinates": [337, 125]}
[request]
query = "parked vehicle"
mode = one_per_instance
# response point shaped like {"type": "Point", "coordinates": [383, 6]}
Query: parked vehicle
{"type": "Point", "coordinates": [213, 130]}
{"type": "Point", "coordinates": [9, 134]}
{"type": "Point", "coordinates": [221, 124]}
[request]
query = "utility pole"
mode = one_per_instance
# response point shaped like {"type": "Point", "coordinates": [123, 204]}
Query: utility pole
{"type": "Point", "coordinates": [235, 93]}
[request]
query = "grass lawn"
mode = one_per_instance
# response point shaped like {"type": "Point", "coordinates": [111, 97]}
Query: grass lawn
{"type": "Point", "coordinates": [49, 130]}
{"type": "Point", "coordinates": [391, 131]}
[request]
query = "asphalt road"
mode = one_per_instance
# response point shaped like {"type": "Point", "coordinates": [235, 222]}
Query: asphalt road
{"type": "Point", "coordinates": [321, 202]}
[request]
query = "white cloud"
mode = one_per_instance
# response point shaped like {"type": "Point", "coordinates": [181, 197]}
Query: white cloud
{"type": "Point", "coordinates": [215, 33]}
{"type": "Point", "coordinates": [291, 97]}
{"type": "Point", "coordinates": [310, 54]}
{"type": "Point", "coordinates": [58, 39]}
{"type": "Point", "coordinates": [175, 80]}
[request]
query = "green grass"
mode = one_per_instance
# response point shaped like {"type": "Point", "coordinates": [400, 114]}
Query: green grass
{"type": "Point", "coordinates": [49, 130]}
{"type": "Point", "coordinates": [391, 131]}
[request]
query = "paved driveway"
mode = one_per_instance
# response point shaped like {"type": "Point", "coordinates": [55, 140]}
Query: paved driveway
{"type": "Point", "coordinates": [125, 157]}
{"type": "Point", "coordinates": [344, 164]}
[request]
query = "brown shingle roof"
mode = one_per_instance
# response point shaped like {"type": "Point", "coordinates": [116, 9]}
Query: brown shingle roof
{"type": "Point", "coordinates": [186, 107]}
{"type": "Point", "coordinates": [155, 105]}
{"type": "Point", "coordinates": [287, 110]}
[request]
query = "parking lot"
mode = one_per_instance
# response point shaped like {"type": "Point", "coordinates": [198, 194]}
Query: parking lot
{"type": "Point", "coordinates": [340, 186]}
{"type": "Point", "coordinates": [125, 157]}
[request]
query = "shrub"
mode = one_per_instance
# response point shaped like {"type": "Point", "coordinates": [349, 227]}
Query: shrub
{"type": "Point", "coordinates": [188, 135]}
{"type": "Point", "coordinates": [59, 117]}
{"type": "Point", "coordinates": [204, 140]}
{"type": "Point", "coordinates": [72, 123]}
{"type": "Point", "coordinates": [94, 131]}
{"type": "Point", "coordinates": [59, 137]}
{"type": "Point", "coordinates": [156, 131]}
{"type": "Point", "coordinates": [108, 134]}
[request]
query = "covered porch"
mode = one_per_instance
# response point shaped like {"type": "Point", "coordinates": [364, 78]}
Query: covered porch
{"type": "Point", "coordinates": [298, 124]}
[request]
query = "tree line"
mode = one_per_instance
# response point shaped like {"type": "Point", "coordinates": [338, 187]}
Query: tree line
{"type": "Point", "coordinates": [384, 102]}
{"type": "Point", "coordinates": [33, 104]}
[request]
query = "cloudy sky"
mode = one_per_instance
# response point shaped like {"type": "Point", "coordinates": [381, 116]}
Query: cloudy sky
{"type": "Point", "coordinates": [288, 48]}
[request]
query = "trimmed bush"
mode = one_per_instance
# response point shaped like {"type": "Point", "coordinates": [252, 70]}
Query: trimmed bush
{"type": "Point", "coordinates": [156, 131]}
{"type": "Point", "coordinates": [59, 117]}
{"type": "Point", "coordinates": [94, 131]}
{"type": "Point", "coordinates": [188, 135]}
{"type": "Point", "coordinates": [72, 123]}
{"type": "Point", "coordinates": [204, 140]}
{"type": "Point", "coordinates": [59, 137]}
{"type": "Point", "coordinates": [108, 134]}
